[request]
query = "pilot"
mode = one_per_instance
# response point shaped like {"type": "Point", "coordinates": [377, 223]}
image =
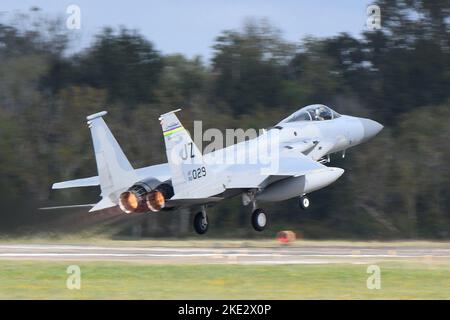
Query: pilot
{"type": "Point", "coordinates": [318, 115]}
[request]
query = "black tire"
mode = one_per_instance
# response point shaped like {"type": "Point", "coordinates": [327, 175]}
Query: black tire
{"type": "Point", "coordinates": [199, 224]}
{"type": "Point", "coordinates": [259, 220]}
{"type": "Point", "coordinates": [304, 202]}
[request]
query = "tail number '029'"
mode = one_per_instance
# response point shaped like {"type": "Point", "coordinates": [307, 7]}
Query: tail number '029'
{"type": "Point", "coordinates": [197, 173]}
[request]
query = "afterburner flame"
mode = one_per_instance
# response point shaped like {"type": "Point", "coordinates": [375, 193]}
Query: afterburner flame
{"type": "Point", "coordinates": [128, 202]}
{"type": "Point", "coordinates": [155, 200]}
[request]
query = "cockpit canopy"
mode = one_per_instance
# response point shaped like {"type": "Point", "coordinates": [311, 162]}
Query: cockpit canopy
{"type": "Point", "coordinates": [313, 112]}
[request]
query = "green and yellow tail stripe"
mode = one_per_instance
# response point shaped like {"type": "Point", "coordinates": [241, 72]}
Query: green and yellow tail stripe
{"type": "Point", "coordinates": [169, 132]}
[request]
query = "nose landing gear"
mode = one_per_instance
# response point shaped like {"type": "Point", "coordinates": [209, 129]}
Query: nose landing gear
{"type": "Point", "coordinates": [304, 202]}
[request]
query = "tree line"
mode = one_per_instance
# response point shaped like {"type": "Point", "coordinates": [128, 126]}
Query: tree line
{"type": "Point", "coordinates": [395, 186]}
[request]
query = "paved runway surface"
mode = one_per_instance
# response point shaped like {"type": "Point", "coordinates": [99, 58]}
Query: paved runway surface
{"type": "Point", "coordinates": [277, 255]}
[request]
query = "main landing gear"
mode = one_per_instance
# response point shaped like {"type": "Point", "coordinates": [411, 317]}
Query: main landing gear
{"type": "Point", "coordinates": [259, 216]}
{"type": "Point", "coordinates": [259, 219]}
{"type": "Point", "coordinates": [201, 222]}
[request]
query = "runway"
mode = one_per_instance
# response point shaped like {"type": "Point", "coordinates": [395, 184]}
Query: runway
{"type": "Point", "coordinates": [242, 255]}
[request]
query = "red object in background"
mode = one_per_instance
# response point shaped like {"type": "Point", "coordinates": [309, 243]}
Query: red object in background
{"type": "Point", "coordinates": [286, 236]}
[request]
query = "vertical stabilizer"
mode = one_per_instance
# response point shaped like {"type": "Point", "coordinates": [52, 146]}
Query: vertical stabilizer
{"type": "Point", "coordinates": [191, 177]}
{"type": "Point", "coordinates": [114, 170]}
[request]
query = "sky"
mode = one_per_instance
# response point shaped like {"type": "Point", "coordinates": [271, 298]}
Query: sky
{"type": "Point", "coordinates": [190, 26]}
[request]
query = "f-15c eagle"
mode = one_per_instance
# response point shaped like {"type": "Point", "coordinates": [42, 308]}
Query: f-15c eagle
{"type": "Point", "coordinates": [289, 161]}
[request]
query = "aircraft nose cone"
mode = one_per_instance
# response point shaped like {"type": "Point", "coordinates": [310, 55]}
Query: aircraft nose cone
{"type": "Point", "coordinates": [371, 128]}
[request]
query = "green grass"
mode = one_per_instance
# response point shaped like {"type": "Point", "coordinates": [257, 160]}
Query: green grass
{"type": "Point", "coordinates": [110, 280]}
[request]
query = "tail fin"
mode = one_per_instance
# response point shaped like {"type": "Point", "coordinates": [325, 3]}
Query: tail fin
{"type": "Point", "coordinates": [114, 170]}
{"type": "Point", "coordinates": [186, 164]}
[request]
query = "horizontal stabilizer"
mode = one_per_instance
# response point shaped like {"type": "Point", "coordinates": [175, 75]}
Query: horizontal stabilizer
{"type": "Point", "coordinates": [105, 203]}
{"type": "Point", "coordinates": [158, 171]}
{"type": "Point", "coordinates": [69, 207]}
{"type": "Point", "coordinates": [85, 182]}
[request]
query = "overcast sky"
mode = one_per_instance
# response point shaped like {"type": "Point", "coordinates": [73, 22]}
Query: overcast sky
{"type": "Point", "coordinates": [190, 26]}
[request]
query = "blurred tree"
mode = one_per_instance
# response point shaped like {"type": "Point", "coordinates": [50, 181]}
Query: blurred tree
{"type": "Point", "coordinates": [315, 72]}
{"type": "Point", "coordinates": [409, 56]}
{"type": "Point", "coordinates": [124, 63]}
{"type": "Point", "coordinates": [425, 176]}
{"type": "Point", "coordinates": [33, 32]}
{"type": "Point", "coordinates": [182, 81]}
{"type": "Point", "coordinates": [248, 66]}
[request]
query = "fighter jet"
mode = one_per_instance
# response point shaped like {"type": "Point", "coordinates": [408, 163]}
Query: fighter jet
{"type": "Point", "coordinates": [288, 161]}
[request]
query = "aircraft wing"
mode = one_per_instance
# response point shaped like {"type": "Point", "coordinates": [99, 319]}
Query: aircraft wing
{"type": "Point", "coordinates": [294, 165]}
{"type": "Point", "coordinates": [254, 176]}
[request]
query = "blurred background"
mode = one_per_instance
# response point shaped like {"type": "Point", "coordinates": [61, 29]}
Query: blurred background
{"type": "Point", "coordinates": [250, 75]}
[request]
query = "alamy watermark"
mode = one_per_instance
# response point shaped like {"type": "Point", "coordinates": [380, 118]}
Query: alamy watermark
{"type": "Point", "coordinates": [73, 21]}
{"type": "Point", "coordinates": [237, 146]}
{"type": "Point", "coordinates": [374, 280]}
{"type": "Point", "coordinates": [373, 21]}
{"type": "Point", "coordinates": [73, 281]}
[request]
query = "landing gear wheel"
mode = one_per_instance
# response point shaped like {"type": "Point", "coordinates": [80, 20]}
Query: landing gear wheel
{"type": "Point", "coordinates": [259, 219]}
{"type": "Point", "coordinates": [304, 202]}
{"type": "Point", "coordinates": [201, 223]}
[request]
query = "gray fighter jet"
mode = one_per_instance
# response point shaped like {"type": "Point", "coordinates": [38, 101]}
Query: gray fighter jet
{"type": "Point", "coordinates": [283, 162]}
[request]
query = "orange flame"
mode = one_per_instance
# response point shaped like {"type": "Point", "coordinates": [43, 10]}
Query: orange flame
{"type": "Point", "coordinates": [128, 202]}
{"type": "Point", "coordinates": [155, 201]}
